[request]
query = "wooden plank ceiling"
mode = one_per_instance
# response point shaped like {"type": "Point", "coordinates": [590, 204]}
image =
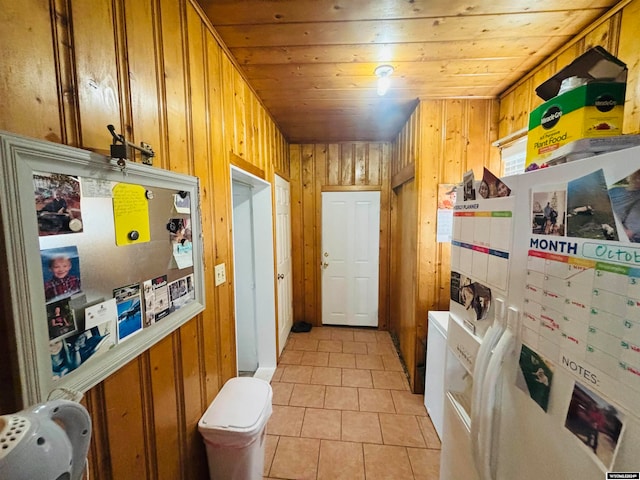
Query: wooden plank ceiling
{"type": "Point", "coordinates": [311, 62]}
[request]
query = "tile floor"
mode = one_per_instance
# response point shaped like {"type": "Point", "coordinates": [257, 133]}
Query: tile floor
{"type": "Point", "coordinates": [342, 409]}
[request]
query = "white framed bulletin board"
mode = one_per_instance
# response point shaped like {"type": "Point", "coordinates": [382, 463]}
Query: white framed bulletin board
{"type": "Point", "coordinates": [103, 260]}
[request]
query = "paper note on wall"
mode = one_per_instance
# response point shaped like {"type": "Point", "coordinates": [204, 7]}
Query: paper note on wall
{"type": "Point", "coordinates": [130, 214]}
{"type": "Point", "coordinates": [445, 225]}
{"type": "Point", "coordinates": [101, 313]}
{"type": "Point", "coordinates": [182, 255]}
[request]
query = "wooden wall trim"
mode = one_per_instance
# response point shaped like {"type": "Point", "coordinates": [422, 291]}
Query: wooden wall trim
{"type": "Point", "coordinates": [65, 73]}
{"type": "Point", "coordinates": [146, 394]}
{"type": "Point", "coordinates": [100, 467]}
{"type": "Point", "coordinates": [351, 188]}
{"type": "Point", "coordinates": [385, 239]}
{"type": "Point", "coordinates": [246, 166]}
{"type": "Point", "coordinates": [403, 176]}
{"type": "Point", "coordinates": [122, 66]}
{"type": "Point", "coordinates": [178, 375]}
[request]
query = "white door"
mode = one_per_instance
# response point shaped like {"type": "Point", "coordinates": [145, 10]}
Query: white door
{"type": "Point", "coordinates": [283, 259]}
{"type": "Point", "coordinates": [350, 258]}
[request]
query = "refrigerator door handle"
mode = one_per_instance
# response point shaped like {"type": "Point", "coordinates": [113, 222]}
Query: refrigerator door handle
{"type": "Point", "coordinates": [477, 397]}
{"type": "Point", "coordinates": [494, 373]}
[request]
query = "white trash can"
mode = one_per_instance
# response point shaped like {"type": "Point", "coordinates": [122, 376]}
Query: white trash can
{"type": "Point", "coordinates": [234, 429]}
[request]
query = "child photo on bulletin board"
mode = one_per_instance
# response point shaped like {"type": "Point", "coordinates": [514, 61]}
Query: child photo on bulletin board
{"type": "Point", "coordinates": [61, 272]}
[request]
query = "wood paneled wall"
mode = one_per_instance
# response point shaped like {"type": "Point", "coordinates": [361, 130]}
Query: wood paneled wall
{"type": "Point", "coordinates": [442, 140]}
{"type": "Point", "coordinates": [333, 167]}
{"type": "Point", "coordinates": [617, 32]}
{"type": "Point", "coordinates": [403, 288]}
{"type": "Point", "coordinates": [156, 70]}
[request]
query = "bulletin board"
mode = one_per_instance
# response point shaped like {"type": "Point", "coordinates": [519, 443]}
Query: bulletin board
{"type": "Point", "coordinates": [104, 260]}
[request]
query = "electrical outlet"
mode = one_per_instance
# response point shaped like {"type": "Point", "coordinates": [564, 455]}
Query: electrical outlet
{"type": "Point", "coordinates": [220, 273]}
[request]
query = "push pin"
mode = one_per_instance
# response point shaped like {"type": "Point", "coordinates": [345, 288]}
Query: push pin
{"type": "Point", "coordinates": [134, 235]}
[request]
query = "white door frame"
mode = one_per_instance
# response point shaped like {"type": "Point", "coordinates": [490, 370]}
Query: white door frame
{"type": "Point", "coordinates": [264, 271]}
{"type": "Point", "coordinates": [244, 265]}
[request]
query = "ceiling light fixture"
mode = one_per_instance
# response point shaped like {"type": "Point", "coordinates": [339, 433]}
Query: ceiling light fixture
{"type": "Point", "coordinates": [383, 72]}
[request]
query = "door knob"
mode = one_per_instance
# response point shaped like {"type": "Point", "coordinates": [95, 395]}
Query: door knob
{"type": "Point", "coordinates": [325, 265]}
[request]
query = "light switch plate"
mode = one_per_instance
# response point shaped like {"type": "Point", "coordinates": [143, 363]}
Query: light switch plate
{"type": "Point", "coordinates": [220, 273]}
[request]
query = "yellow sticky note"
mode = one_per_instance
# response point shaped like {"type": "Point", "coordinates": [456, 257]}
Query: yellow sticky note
{"type": "Point", "coordinates": [130, 214]}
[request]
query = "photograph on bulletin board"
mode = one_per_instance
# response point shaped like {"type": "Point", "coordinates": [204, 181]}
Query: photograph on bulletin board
{"type": "Point", "coordinates": [182, 202]}
{"type": "Point", "coordinates": [57, 203]}
{"type": "Point", "coordinates": [181, 292]}
{"type": "Point", "coordinates": [161, 297]}
{"type": "Point", "coordinates": [60, 319]}
{"type": "Point", "coordinates": [69, 353]}
{"type": "Point", "coordinates": [61, 272]}
{"type": "Point", "coordinates": [180, 238]}
{"type": "Point", "coordinates": [129, 311]}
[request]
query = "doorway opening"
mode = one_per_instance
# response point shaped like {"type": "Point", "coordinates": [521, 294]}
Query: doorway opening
{"type": "Point", "coordinates": [253, 262]}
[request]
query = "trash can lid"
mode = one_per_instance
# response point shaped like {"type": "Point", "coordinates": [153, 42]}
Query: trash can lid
{"type": "Point", "coordinates": [243, 405]}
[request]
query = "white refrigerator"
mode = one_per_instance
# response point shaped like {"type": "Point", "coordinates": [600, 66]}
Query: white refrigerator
{"type": "Point", "coordinates": [543, 363]}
